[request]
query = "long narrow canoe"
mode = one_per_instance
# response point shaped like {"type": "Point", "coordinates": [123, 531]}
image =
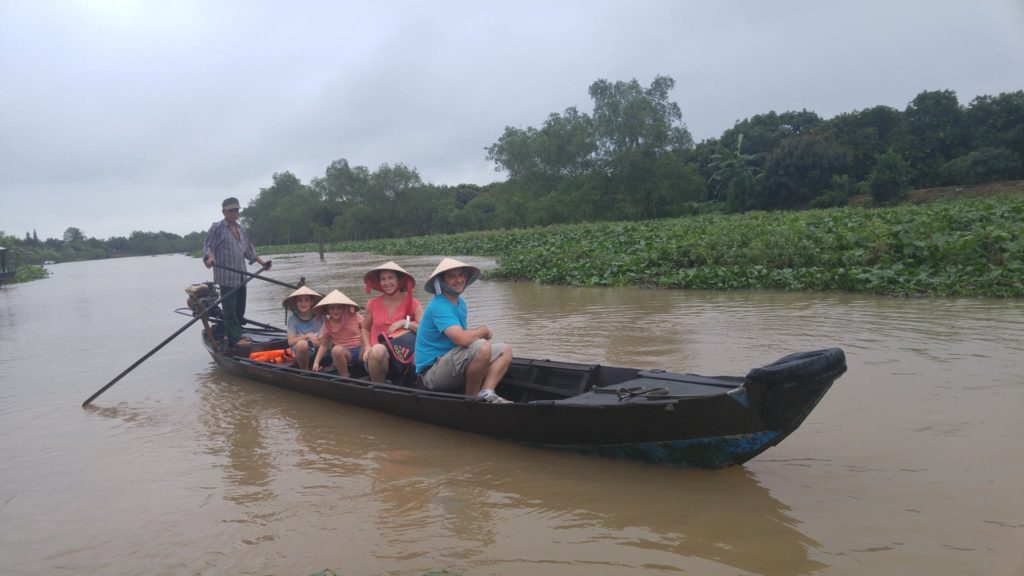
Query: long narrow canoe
{"type": "Point", "coordinates": [669, 418]}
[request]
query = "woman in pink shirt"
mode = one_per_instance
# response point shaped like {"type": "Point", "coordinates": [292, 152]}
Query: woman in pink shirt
{"type": "Point", "coordinates": [341, 333]}
{"type": "Point", "coordinates": [394, 313]}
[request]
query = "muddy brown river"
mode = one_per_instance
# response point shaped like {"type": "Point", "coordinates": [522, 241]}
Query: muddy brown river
{"type": "Point", "coordinates": [912, 463]}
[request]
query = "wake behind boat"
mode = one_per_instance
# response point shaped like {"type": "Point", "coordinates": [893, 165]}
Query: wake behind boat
{"type": "Point", "coordinates": [648, 415]}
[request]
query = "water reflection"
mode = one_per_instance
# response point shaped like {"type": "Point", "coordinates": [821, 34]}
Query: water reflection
{"type": "Point", "coordinates": [912, 460]}
{"type": "Point", "coordinates": [725, 517]}
{"type": "Point", "coordinates": [123, 412]}
{"type": "Point", "coordinates": [429, 494]}
{"type": "Point", "coordinates": [235, 433]}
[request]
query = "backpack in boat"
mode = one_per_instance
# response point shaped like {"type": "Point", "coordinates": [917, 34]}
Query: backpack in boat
{"type": "Point", "coordinates": [401, 345]}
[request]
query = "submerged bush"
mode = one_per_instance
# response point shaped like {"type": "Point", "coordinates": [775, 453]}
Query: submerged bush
{"type": "Point", "coordinates": [28, 272]}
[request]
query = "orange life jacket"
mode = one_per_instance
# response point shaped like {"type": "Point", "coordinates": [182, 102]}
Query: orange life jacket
{"type": "Point", "coordinates": [275, 356]}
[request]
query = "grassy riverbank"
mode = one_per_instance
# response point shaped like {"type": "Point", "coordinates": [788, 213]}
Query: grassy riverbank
{"type": "Point", "coordinates": [965, 246]}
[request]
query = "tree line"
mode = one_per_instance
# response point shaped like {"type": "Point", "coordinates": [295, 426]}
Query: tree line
{"type": "Point", "coordinates": [630, 158]}
{"type": "Point", "coordinates": [74, 246]}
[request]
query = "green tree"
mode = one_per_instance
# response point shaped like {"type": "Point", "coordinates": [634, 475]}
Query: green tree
{"type": "Point", "coordinates": [434, 209]}
{"type": "Point", "coordinates": [626, 160]}
{"type": "Point", "coordinates": [383, 208]}
{"type": "Point", "coordinates": [840, 189]}
{"type": "Point", "coordinates": [118, 246]}
{"type": "Point", "coordinates": [514, 152]}
{"type": "Point", "coordinates": [639, 135]}
{"type": "Point", "coordinates": [702, 154]}
{"type": "Point", "coordinates": [193, 241]}
{"type": "Point", "coordinates": [284, 212]}
{"type": "Point", "coordinates": [734, 175]}
{"type": "Point", "coordinates": [983, 165]}
{"type": "Point", "coordinates": [890, 178]}
{"type": "Point", "coordinates": [341, 187]}
{"type": "Point", "coordinates": [463, 193]}
{"type": "Point", "coordinates": [628, 117]}
{"type": "Point", "coordinates": [933, 135]}
{"type": "Point", "coordinates": [799, 170]}
{"type": "Point", "coordinates": [864, 134]}
{"type": "Point", "coordinates": [148, 243]}
{"type": "Point", "coordinates": [73, 235]}
{"type": "Point", "coordinates": [565, 146]}
{"type": "Point", "coordinates": [392, 187]}
{"type": "Point", "coordinates": [763, 133]}
{"type": "Point", "coordinates": [997, 122]}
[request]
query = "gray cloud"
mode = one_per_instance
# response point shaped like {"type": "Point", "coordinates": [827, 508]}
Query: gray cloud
{"type": "Point", "coordinates": [122, 116]}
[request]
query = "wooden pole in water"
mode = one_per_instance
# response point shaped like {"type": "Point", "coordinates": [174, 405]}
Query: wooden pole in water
{"type": "Point", "coordinates": [201, 316]}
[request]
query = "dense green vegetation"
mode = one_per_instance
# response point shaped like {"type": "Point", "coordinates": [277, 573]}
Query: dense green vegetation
{"type": "Point", "coordinates": [29, 272]}
{"type": "Point", "coordinates": [632, 158]}
{"type": "Point", "coordinates": [75, 246]}
{"type": "Point", "coordinates": [963, 247]}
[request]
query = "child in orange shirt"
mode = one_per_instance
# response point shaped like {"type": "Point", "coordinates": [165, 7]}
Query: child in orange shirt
{"type": "Point", "coordinates": [341, 333]}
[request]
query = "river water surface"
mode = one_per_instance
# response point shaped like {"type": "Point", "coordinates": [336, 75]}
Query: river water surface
{"type": "Point", "coordinates": [912, 464]}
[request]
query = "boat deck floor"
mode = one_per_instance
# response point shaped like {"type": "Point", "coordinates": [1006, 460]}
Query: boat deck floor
{"type": "Point", "coordinates": [658, 386]}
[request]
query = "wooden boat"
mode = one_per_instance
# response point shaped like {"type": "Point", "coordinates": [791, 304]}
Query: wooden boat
{"type": "Point", "coordinates": [668, 418]}
{"type": "Point", "coordinates": [654, 416]}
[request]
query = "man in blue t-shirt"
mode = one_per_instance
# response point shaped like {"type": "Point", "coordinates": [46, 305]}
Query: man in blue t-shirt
{"type": "Point", "coordinates": [449, 354]}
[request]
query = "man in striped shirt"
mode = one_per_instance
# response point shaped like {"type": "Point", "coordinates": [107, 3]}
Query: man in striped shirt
{"type": "Point", "coordinates": [228, 244]}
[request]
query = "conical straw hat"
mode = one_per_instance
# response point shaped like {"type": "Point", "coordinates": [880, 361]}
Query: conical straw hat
{"type": "Point", "coordinates": [301, 291]}
{"type": "Point", "coordinates": [372, 278]}
{"type": "Point", "coordinates": [336, 297]}
{"type": "Point", "coordinates": [472, 273]}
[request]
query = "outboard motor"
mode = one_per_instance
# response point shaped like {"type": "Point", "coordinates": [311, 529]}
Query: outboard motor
{"type": "Point", "coordinates": [201, 297]}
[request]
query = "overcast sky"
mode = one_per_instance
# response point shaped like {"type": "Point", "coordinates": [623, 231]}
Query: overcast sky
{"type": "Point", "coordinates": [122, 115]}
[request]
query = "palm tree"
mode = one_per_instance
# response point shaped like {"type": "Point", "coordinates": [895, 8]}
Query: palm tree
{"type": "Point", "coordinates": [734, 176]}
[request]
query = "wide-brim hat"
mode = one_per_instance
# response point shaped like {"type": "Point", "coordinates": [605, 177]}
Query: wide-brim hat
{"type": "Point", "coordinates": [301, 291]}
{"type": "Point", "coordinates": [472, 273]}
{"type": "Point", "coordinates": [336, 297]}
{"type": "Point", "coordinates": [372, 278]}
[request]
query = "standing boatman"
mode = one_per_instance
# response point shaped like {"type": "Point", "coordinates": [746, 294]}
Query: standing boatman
{"type": "Point", "coordinates": [227, 243]}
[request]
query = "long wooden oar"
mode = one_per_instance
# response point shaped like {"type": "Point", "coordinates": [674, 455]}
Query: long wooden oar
{"type": "Point", "coordinates": [172, 336]}
{"type": "Point", "coordinates": [302, 280]}
{"type": "Point", "coordinates": [262, 325]}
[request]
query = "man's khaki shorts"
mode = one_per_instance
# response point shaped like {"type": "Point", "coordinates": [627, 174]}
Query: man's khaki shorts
{"type": "Point", "coordinates": [449, 372]}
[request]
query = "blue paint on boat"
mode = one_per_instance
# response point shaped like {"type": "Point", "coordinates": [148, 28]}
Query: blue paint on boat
{"type": "Point", "coordinates": [710, 452]}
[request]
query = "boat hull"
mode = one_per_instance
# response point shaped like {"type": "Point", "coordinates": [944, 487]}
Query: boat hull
{"type": "Point", "coordinates": [691, 421]}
